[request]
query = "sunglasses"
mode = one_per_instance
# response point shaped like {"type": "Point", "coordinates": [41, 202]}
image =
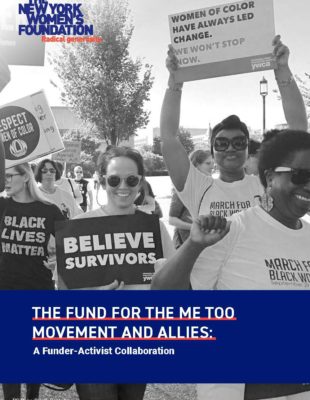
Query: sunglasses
{"type": "Point", "coordinates": [298, 176]}
{"type": "Point", "coordinates": [8, 177]}
{"type": "Point", "coordinates": [237, 142]}
{"type": "Point", "coordinates": [50, 170]}
{"type": "Point", "coordinates": [115, 180]}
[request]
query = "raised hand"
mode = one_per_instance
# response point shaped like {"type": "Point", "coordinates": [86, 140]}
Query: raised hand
{"type": "Point", "coordinates": [280, 51]}
{"type": "Point", "coordinates": [172, 65]}
{"type": "Point", "coordinates": [207, 230]}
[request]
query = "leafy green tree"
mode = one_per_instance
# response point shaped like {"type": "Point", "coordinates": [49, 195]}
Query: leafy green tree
{"type": "Point", "coordinates": [186, 139]}
{"type": "Point", "coordinates": [101, 83]}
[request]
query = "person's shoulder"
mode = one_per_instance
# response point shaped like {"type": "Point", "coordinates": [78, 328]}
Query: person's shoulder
{"type": "Point", "coordinates": [242, 219]}
{"type": "Point", "coordinates": [49, 209]}
{"type": "Point", "coordinates": [4, 201]}
{"type": "Point", "coordinates": [91, 214]}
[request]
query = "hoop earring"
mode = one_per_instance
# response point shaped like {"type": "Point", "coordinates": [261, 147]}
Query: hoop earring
{"type": "Point", "coordinates": [267, 200]}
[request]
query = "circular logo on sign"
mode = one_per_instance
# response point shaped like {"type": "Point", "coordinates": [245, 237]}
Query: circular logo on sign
{"type": "Point", "coordinates": [20, 132]}
{"type": "Point", "coordinates": [18, 148]}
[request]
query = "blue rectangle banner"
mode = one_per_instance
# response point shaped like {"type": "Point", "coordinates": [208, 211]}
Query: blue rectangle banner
{"type": "Point", "coordinates": [155, 336]}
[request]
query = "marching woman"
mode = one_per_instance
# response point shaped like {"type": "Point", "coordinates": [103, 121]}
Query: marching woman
{"type": "Point", "coordinates": [265, 247]}
{"type": "Point", "coordinates": [47, 174]}
{"type": "Point", "coordinates": [233, 191]}
{"type": "Point", "coordinates": [121, 175]}
{"type": "Point", "coordinates": [27, 221]}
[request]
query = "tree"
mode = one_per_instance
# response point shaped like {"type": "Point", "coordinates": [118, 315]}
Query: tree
{"type": "Point", "coordinates": [101, 83]}
{"type": "Point", "coordinates": [186, 139]}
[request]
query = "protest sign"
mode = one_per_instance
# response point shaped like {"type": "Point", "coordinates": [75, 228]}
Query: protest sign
{"type": "Point", "coordinates": [71, 153]}
{"type": "Point", "coordinates": [28, 129]}
{"type": "Point", "coordinates": [94, 252]}
{"type": "Point", "coordinates": [17, 49]}
{"type": "Point", "coordinates": [223, 40]}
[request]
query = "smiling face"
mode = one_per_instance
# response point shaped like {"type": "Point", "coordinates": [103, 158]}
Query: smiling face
{"type": "Point", "coordinates": [291, 201]}
{"type": "Point", "coordinates": [14, 182]}
{"type": "Point", "coordinates": [122, 197]}
{"type": "Point", "coordinates": [230, 160]}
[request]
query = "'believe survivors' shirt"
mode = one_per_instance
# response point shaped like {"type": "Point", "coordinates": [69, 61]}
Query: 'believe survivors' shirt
{"type": "Point", "coordinates": [25, 230]}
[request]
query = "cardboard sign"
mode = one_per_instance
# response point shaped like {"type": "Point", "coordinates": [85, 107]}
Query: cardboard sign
{"type": "Point", "coordinates": [71, 153]}
{"type": "Point", "coordinates": [222, 40]}
{"type": "Point", "coordinates": [28, 130]}
{"type": "Point", "coordinates": [17, 49]}
{"type": "Point", "coordinates": [96, 251]}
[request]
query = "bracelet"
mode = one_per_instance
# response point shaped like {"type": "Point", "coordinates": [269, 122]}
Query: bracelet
{"type": "Point", "coordinates": [175, 88]}
{"type": "Point", "coordinates": [285, 82]}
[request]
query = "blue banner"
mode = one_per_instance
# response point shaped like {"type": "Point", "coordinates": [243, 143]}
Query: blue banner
{"type": "Point", "coordinates": [155, 336]}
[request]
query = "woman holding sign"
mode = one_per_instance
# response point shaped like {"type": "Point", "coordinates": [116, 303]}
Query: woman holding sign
{"type": "Point", "coordinates": [233, 191]}
{"type": "Point", "coordinates": [27, 222]}
{"type": "Point", "coordinates": [121, 175]}
{"type": "Point", "coordinates": [265, 248]}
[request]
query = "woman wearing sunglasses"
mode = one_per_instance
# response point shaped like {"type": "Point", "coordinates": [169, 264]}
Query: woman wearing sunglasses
{"type": "Point", "coordinates": [233, 191]}
{"type": "Point", "coordinates": [27, 222]}
{"type": "Point", "coordinates": [121, 175]}
{"type": "Point", "coordinates": [47, 174]}
{"type": "Point", "coordinates": [266, 247]}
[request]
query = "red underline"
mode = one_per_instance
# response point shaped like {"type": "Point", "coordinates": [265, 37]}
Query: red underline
{"type": "Point", "coordinates": [118, 338]}
{"type": "Point", "coordinates": [134, 319]}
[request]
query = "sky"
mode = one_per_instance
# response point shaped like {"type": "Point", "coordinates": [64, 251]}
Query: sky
{"type": "Point", "coordinates": [206, 101]}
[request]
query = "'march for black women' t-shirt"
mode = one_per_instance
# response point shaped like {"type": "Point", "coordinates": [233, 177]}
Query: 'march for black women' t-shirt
{"type": "Point", "coordinates": [25, 230]}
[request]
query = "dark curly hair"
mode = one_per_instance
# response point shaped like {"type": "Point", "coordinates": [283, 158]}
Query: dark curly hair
{"type": "Point", "coordinates": [41, 165]}
{"type": "Point", "coordinates": [277, 147]}
{"type": "Point", "coordinates": [114, 152]}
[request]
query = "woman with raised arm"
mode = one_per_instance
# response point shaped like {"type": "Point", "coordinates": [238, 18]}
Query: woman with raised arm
{"type": "Point", "coordinates": [233, 191]}
{"type": "Point", "coordinates": [242, 256]}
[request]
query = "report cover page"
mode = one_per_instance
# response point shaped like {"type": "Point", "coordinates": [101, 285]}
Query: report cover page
{"type": "Point", "coordinates": [180, 131]}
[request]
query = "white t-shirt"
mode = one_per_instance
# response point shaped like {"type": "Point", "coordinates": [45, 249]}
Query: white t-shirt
{"type": "Point", "coordinates": [167, 245]}
{"type": "Point", "coordinates": [257, 253]}
{"type": "Point", "coordinates": [64, 201]}
{"type": "Point", "coordinates": [203, 194]}
{"type": "Point", "coordinates": [64, 184]}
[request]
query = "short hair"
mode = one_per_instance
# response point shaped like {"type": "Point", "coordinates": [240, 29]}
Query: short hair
{"type": "Point", "coordinates": [60, 166]}
{"type": "Point", "coordinates": [277, 147]}
{"type": "Point", "coordinates": [77, 166]}
{"type": "Point", "coordinates": [254, 146]}
{"type": "Point", "coordinates": [115, 152]}
{"type": "Point", "coordinates": [199, 156]}
{"type": "Point", "coordinates": [229, 123]}
{"type": "Point", "coordinates": [41, 165]}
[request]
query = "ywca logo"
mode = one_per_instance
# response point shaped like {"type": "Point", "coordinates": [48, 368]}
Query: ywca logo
{"type": "Point", "coordinates": [18, 148]}
{"type": "Point", "coordinates": [260, 63]}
